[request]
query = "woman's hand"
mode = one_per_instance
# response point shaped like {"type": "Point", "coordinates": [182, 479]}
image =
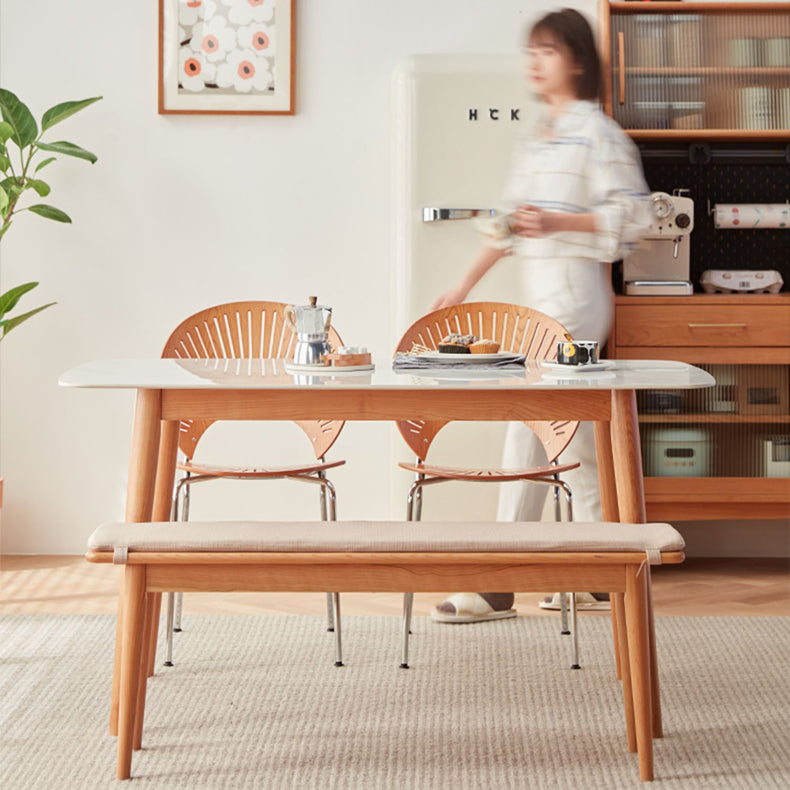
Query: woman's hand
{"type": "Point", "coordinates": [532, 222]}
{"type": "Point", "coordinates": [453, 297]}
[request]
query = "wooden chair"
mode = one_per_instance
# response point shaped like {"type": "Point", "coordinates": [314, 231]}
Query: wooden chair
{"type": "Point", "coordinates": [518, 330]}
{"type": "Point", "coordinates": [247, 330]}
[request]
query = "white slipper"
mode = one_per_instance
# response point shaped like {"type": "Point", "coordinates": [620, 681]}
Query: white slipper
{"type": "Point", "coordinates": [585, 602]}
{"type": "Point", "coordinates": [470, 608]}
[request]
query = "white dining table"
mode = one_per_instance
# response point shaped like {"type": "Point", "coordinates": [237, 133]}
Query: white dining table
{"type": "Point", "coordinates": [169, 390]}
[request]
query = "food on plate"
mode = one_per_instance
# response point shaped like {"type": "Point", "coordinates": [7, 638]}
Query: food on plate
{"type": "Point", "coordinates": [484, 347]}
{"type": "Point", "coordinates": [457, 344]}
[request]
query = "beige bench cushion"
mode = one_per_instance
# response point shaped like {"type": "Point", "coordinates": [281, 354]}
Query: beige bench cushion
{"type": "Point", "coordinates": [389, 536]}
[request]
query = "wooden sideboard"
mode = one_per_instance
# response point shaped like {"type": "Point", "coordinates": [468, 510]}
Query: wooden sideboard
{"type": "Point", "coordinates": [744, 341]}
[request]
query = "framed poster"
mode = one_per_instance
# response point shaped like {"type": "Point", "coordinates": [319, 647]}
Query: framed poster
{"type": "Point", "coordinates": [226, 56]}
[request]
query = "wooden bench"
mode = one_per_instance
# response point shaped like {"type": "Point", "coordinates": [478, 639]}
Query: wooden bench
{"type": "Point", "coordinates": [360, 556]}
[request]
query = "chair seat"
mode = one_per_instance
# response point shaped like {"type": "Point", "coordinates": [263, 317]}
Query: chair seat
{"type": "Point", "coordinates": [256, 472]}
{"type": "Point", "coordinates": [485, 474]}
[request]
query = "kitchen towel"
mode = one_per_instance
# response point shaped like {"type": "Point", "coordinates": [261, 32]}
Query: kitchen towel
{"type": "Point", "coordinates": [746, 216]}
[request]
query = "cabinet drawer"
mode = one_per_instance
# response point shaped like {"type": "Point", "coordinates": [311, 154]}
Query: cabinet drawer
{"type": "Point", "coordinates": [702, 325]}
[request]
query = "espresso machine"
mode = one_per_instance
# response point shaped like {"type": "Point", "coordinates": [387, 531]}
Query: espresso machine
{"type": "Point", "coordinates": [660, 265]}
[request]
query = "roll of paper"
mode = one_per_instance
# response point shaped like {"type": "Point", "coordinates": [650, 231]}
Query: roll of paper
{"type": "Point", "coordinates": [747, 216]}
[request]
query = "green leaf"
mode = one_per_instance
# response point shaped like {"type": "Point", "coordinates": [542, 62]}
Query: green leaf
{"type": "Point", "coordinates": [69, 149]}
{"type": "Point", "coordinates": [11, 323]}
{"type": "Point", "coordinates": [43, 164]}
{"type": "Point", "coordinates": [50, 212]}
{"type": "Point", "coordinates": [9, 299]}
{"type": "Point", "coordinates": [23, 125]}
{"type": "Point", "coordinates": [12, 186]}
{"type": "Point", "coordinates": [62, 111]}
{"type": "Point", "coordinates": [6, 131]}
{"type": "Point", "coordinates": [4, 162]}
{"type": "Point", "coordinates": [4, 201]}
{"type": "Point", "coordinates": [41, 187]}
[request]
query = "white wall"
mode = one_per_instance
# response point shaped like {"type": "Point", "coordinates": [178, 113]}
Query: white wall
{"type": "Point", "coordinates": [183, 212]}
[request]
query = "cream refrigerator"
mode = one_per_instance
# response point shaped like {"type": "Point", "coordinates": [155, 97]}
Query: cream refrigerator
{"type": "Point", "coordinates": [455, 119]}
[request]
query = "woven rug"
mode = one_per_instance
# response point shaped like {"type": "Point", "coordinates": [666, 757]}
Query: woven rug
{"type": "Point", "coordinates": [255, 702]}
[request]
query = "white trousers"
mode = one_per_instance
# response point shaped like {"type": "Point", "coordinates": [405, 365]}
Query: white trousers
{"type": "Point", "coordinates": [578, 294]}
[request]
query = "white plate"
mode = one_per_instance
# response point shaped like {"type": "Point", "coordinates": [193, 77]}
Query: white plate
{"type": "Point", "coordinates": [604, 364]}
{"type": "Point", "coordinates": [464, 374]}
{"type": "Point", "coordinates": [328, 370]}
{"type": "Point", "coordinates": [437, 356]}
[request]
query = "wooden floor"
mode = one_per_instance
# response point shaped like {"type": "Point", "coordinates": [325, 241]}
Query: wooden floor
{"type": "Point", "coordinates": [700, 587]}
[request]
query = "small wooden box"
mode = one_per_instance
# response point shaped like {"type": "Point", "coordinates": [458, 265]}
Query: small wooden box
{"type": "Point", "coordinates": [348, 360]}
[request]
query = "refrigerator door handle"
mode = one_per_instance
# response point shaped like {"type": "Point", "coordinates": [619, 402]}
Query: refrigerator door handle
{"type": "Point", "coordinates": [440, 214]}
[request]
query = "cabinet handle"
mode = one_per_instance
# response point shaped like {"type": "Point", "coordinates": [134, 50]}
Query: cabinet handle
{"type": "Point", "coordinates": [621, 64]}
{"type": "Point", "coordinates": [717, 326]}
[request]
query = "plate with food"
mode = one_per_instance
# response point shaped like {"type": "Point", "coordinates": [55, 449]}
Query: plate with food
{"type": "Point", "coordinates": [440, 356]}
{"type": "Point", "coordinates": [455, 348]}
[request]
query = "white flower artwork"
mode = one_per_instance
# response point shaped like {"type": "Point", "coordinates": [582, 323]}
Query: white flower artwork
{"type": "Point", "coordinates": [242, 12]}
{"type": "Point", "coordinates": [214, 39]}
{"type": "Point", "coordinates": [259, 37]}
{"type": "Point", "coordinates": [192, 11]}
{"type": "Point", "coordinates": [194, 71]}
{"type": "Point", "coordinates": [226, 56]}
{"type": "Point", "coordinates": [244, 71]}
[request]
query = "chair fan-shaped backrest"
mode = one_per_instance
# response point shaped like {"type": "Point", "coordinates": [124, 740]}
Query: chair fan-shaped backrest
{"type": "Point", "coordinates": [518, 330]}
{"type": "Point", "coordinates": [243, 330]}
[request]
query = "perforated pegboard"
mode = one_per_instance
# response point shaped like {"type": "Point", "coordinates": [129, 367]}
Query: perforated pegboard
{"type": "Point", "coordinates": [726, 179]}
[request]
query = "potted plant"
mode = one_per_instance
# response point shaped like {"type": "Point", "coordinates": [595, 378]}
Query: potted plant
{"type": "Point", "coordinates": [18, 130]}
{"type": "Point", "coordinates": [20, 143]}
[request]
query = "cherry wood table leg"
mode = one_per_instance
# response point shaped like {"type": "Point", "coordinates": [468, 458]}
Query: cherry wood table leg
{"type": "Point", "coordinates": [131, 664]}
{"type": "Point", "coordinates": [163, 498]}
{"type": "Point", "coordinates": [627, 457]}
{"type": "Point", "coordinates": [639, 654]}
{"type": "Point", "coordinates": [609, 509]}
{"type": "Point", "coordinates": [139, 503]}
{"type": "Point", "coordinates": [631, 501]}
{"type": "Point", "coordinates": [618, 603]}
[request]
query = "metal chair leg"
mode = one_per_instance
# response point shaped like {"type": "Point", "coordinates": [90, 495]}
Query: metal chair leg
{"type": "Point", "coordinates": [332, 599]}
{"type": "Point", "coordinates": [169, 628]}
{"type": "Point", "coordinates": [564, 630]}
{"type": "Point", "coordinates": [330, 616]}
{"type": "Point", "coordinates": [413, 513]}
{"type": "Point", "coordinates": [574, 635]}
{"type": "Point", "coordinates": [184, 517]}
{"type": "Point", "coordinates": [408, 601]}
{"type": "Point", "coordinates": [338, 641]}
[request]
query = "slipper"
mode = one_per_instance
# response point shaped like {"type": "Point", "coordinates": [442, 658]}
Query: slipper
{"type": "Point", "coordinates": [470, 608]}
{"type": "Point", "coordinates": [585, 602]}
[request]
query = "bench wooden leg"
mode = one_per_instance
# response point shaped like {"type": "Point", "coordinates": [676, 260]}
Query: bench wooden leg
{"type": "Point", "coordinates": [139, 503]}
{"type": "Point", "coordinates": [655, 691]}
{"type": "Point", "coordinates": [636, 612]}
{"type": "Point", "coordinates": [116, 670]}
{"type": "Point", "coordinates": [131, 664]}
{"type": "Point", "coordinates": [618, 605]}
{"type": "Point", "coordinates": [142, 684]}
